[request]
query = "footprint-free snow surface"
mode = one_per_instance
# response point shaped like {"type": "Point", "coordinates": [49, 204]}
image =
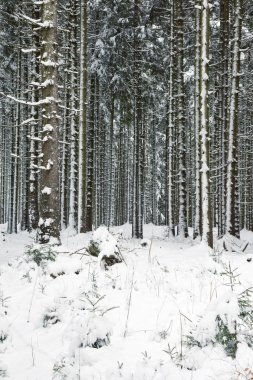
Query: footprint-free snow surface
{"type": "Point", "coordinates": [170, 310]}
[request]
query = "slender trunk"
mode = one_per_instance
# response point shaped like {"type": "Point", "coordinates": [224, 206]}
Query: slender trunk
{"type": "Point", "coordinates": [138, 189]}
{"type": "Point", "coordinates": [33, 171]}
{"type": "Point", "coordinates": [182, 223]}
{"type": "Point", "coordinates": [73, 87]}
{"type": "Point", "coordinates": [207, 233]}
{"type": "Point", "coordinates": [198, 212]}
{"type": "Point", "coordinates": [90, 159]}
{"type": "Point", "coordinates": [171, 229]}
{"type": "Point", "coordinates": [83, 120]}
{"type": "Point", "coordinates": [232, 225]}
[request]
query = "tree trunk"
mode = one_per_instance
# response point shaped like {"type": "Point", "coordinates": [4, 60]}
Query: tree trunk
{"type": "Point", "coordinates": [182, 223]}
{"type": "Point", "coordinates": [49, 203]}
{"type": "Point", "coordinates": [197, 231]}
{"type": "Point", "coordinates": [138, 189]}
{"type": "Point", "coordinates": [83, 120]}
{"type": "Point", "coordinates": [232, 225]}
{"type": "Point", "coordinates": [207, 228]}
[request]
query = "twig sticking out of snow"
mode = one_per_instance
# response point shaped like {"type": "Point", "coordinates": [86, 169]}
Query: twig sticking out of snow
{"type": "Point", "coordinates": [129, 303]}
{"type": "Point", "coordinates": [149, 252]}
{"type": "Point", "coordinates": [34, 286]}
{"type": "Point", "coordinates": [245, 247]}
{"type": "Point", "coordinates": [33, 358]}
{"type": "Point", "coordinates": [111, 308]}
{"type": "Point", "coordinates": [120, 255]}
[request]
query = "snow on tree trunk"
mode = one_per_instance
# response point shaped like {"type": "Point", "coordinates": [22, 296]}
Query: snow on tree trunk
{"type": "Point", "coordinates": [170, 126]}
{"type": "Point", "coordinates": [207, 230]}
{"type": "Point", "coordinates": [232, 222]}
{"type": "Point", "coordinates": [73, 118]}
{"type": "Point", "coordinates": [197, 219]}
{"type": "Point", "coordinates": [90, 158]}
{"type": "Point", "coordinates": [49, 210]}
{"type": "Point", "coordinates": [82, 120]}
{"type": "Point", "coordinates": [182, 223]}
{"type": "Point", "coordinates": [33, 171]}
{"type": "Point", "coordinates": [138, 188]}
{"type": "Point", "coordinates": [223, 112]}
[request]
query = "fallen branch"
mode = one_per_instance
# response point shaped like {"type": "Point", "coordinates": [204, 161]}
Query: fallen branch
{"type": "Point", "coordinates": [73, 253]}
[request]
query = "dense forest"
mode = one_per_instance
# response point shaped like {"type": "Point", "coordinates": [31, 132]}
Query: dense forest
{"type": "Point", "coordinates": [126, 189]}
{"type": "Point", "coordinates": [116, 111]}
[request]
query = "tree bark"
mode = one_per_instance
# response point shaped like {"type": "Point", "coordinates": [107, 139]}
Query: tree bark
{"type": "Point", "coordinates": [207, 228]}
{"type": "Point", "coordinates": [49, 203]}
{"type": "Point", "coordinates": [232, 225]}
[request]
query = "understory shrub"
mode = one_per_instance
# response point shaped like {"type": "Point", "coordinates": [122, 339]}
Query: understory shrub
{"type": "Point", "coordinates": [3, 370]}
{"type": "Point", "coordinates": [40, 254]}
{"type": "Point", "coordinates": [232, 316]}
{"type": "Point", "coordinates": [51, 316]}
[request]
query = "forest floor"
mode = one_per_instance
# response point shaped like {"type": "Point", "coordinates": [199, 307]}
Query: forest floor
{"type": "Point", "coordinates": [155, 316]}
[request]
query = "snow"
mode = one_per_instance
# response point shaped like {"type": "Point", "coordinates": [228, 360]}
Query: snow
{"type": "Point", "coordinates": [46, 190]}
{"type": "Point", "coordinates": [128, 322]}
{"type": "Point", "coordinates": [48, 82]}
{"type": "Point", "coordinates": [46, 222]}
{"type": "Point", "coordinates": [27, 121]}
{"type": "Point", "coordinates": [106, 241]}
{"type": "Point", "coordinates": [12, 246]}
{"type": "Point", "coordinates": [28, 50]}
{"type": "Point", "coordinates": [49, 63]}
{"type": "Point", "coordinates": [189, 74]}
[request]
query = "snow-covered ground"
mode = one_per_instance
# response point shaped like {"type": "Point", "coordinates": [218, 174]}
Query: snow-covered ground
{"type": "Point", "coordinates": [152, 317]}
